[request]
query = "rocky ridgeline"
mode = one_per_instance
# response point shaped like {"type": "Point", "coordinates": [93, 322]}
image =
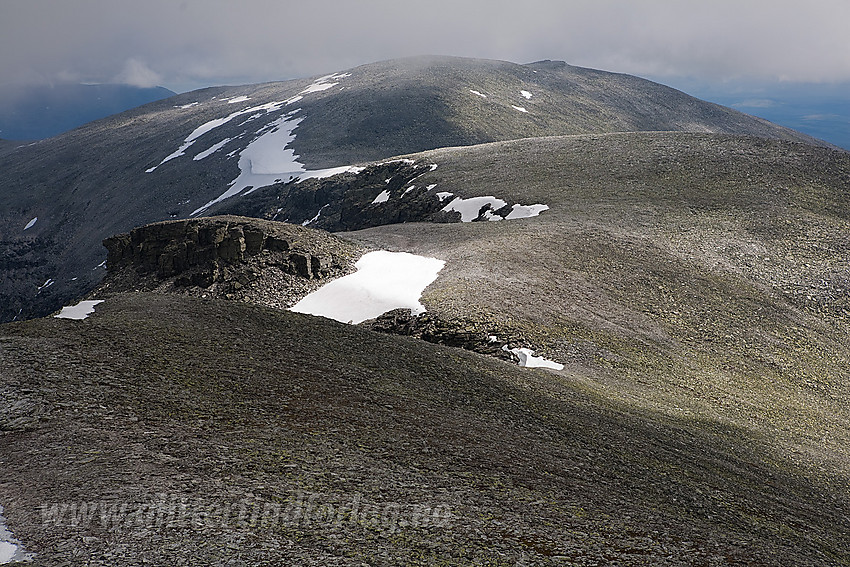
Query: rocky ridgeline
{"type": "Point", "coordinates": [235, 257]}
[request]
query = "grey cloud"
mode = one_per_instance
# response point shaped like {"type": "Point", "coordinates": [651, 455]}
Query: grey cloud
{"type": "Point", "coordinates": [197, 42]}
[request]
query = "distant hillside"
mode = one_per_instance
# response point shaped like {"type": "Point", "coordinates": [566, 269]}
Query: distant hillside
{"type": "Point", "coordinates": [37, 112]}
{"type": "Point", "coordinates": [184, 155]}
{"type": "Point", "coordinates": [820, 110]}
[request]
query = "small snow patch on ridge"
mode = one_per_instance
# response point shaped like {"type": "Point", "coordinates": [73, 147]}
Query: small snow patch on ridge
{"type": "Point", "coordinates": [525, 211]}
{"type": "Point", "coordinates": [324, 83]}
{"type": "Point", "coordinates": [384, 281]}
{"type": "Point", "coordinates": [486, 207]}
{"type": "Point", "coordinates": [382, 197]}
{"type": "Point", "coordinates": [79, 311]}
{"type": "Point", "coordinates": [525, 94]}
{"type": "Point", "coordinates": [236, 99]}
{"type": "Point", "coordinates": [482, 95]}
{"type": "Point", "coordinates": [520, 108]}
{"type": "Point", "coordinates": [31, 223]}
{"type": "Point", "coordinates": [527, 359]}
{"type": "Point", "coordinates": [185, 106]}
{"type": "Point", "coordinates": [470, 209]}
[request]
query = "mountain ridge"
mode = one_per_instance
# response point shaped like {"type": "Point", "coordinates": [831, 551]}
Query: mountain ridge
{"type": "Point", "coordinates": [689, 291]}
{"type": "Point", "coordinates": [135, 162]}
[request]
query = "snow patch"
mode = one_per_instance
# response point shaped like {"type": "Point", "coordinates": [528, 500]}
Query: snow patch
{"type": "Point", "coordinates": [408, 190]}
{"type": "Point", "coordinates": [469, 209]}
{"type": "Point", "coordinates": [324, 83]}
{"type": "Point", "coordinates": [79, 311]}
{"type": "Point", "coordinates": [215, 123]}
{"type": "Point", "coordinates": [268, 159]}
{"type": "Point", "coordinates": [46, 284]}
{"type": "Point", "coordinates": [482, 95]}
{"type": "Point", "coordinates": [190, 105]}
{"type": "Point", "coordinates": [31, 223]}
{"type": "Point", "coordinates": [525, 94]}
{"type": "Point", "coordinates": [383, 281]}
{"type": "Point", "coordinates": [382, 197]}
{"type": "Point", "coordinates": [211, 150]}
{"type": "Point", "coordinates": [10, 548]}
{"type": "Point", "coordinates": [527, 359]}
{"type": "Point", "coordinates": [520, 108]}
{"type": "Point", "coordinates": [525, 211]}
{"type": "Point", "coordinates": [236, 99]}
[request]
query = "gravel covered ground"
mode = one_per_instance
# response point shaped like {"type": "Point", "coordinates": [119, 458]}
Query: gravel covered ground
{"type": "Point", "coordinates": [235, 434]}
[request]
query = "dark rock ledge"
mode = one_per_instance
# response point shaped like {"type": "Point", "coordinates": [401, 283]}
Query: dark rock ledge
{"type": "Point", "coordinates": [253, 260]}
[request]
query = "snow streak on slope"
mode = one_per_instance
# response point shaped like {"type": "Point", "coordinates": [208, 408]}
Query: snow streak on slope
{"type": "Point", "coordinates": [212, 149]}
{"type": "Point", "coordinates": [524, 211]}
{"type": "Point", "coordinates": [324, 83]}
{"type": "Point", "coordinates": [213, 124]}
{"type": "Point", "coordinates": [268, 159]}
{"type": "Point", "coordinates": [384, 281]}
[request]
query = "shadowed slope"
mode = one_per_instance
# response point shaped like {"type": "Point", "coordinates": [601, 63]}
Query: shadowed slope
{"type": "Point", "coordinates": [160, 398]}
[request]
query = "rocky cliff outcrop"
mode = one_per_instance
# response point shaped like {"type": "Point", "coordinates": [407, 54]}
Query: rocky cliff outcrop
{"type": "Point", "coordinates": [253, 260]}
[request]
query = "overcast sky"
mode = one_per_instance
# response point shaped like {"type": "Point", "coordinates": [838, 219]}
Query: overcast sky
{"type": "Point", "coordinates": [192, 43]}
